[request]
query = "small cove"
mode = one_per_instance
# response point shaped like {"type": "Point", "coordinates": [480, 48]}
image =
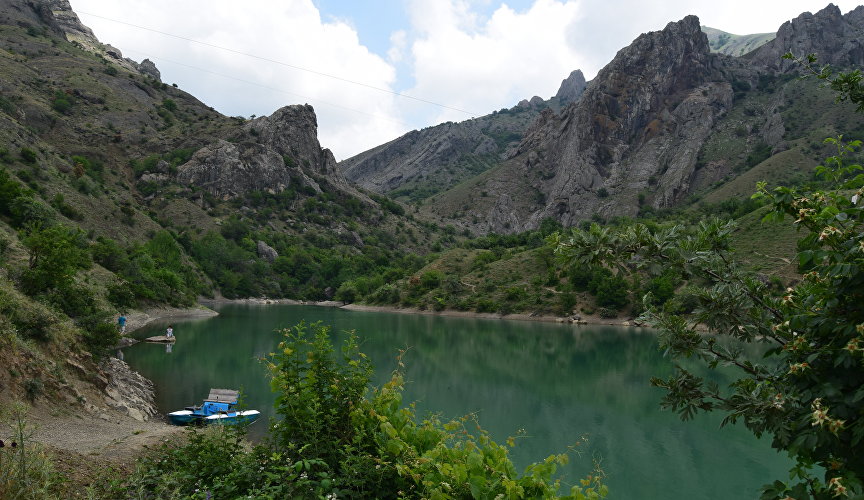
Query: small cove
{"type": "Point", "coordinates": [557, 382]}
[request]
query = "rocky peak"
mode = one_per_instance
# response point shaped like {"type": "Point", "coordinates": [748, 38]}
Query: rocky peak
{"type": "Point", "coordinates": [147, 67]}
{"type": "Point", "coordinates": [292, 132]}
{"type": "Point", "coordinates": [571, 87]}
{"type": "Point", "coordinates": [637, 126]}
{"type": "Point", "coordinates": [268, 154]}
{"type": "Point", "coordinates": [834, 38]}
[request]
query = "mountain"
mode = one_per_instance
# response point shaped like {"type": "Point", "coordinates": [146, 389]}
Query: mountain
{"type": "Point", "coordinates": [130, 156]}
{"type": "Point", "coordinates": [734, 45]}
{"type": "Point", "coordinates": [667, 120]}
{"type": "Point", "coordinates": [424, 162]}
{"type": "Point", "coordinates": [119, 192]}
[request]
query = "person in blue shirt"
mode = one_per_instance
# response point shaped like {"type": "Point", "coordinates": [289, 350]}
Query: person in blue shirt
{"type": "Point", "coordinates": [121, 322]}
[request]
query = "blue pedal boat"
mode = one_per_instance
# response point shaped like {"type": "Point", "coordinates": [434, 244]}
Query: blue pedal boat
{"type": "Point", "coordinates": [220, 407]}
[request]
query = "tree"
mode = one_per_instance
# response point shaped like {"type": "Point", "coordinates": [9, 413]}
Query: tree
{"type": "Point", "coordinates": [807, 391]}
{"type": "Point", "coordinates": [56, 254]}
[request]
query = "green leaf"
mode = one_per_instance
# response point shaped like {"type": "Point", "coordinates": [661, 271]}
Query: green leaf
{"type": "Point", "coordinates": [475, 461]}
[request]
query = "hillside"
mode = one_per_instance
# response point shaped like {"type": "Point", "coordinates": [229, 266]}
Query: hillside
{"type": "Point", "coordinates": [735, 45]}
{"type": "Point", "coordinates": [425, 162]}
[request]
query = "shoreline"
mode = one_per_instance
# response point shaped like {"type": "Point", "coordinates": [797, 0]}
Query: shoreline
{"type": "Point", "coordinates": [578, 319]}
{"type": "Point", "coordinates": [138, 319]}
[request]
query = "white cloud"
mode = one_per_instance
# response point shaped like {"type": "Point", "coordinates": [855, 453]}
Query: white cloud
{"type": "Point", "coordinates": [286, 31]}
{"type": "Point", "coordinates": [480, 64]}
{"type": "Point", "coordinates": [398, 42]}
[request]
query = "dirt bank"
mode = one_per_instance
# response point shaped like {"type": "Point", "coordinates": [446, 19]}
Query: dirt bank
{"type": "Point", "coordinates": [108, 419]}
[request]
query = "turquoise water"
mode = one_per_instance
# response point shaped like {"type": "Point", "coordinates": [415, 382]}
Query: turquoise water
{"type": "Point", "coordinates": [557, 382]}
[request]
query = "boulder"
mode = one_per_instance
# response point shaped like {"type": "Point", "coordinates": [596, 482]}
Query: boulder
{"type": "Point", "coordinates": [267, 252]}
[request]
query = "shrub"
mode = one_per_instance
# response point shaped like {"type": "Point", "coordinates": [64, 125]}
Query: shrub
{"type": "Point", "coordinates": [62, 102]}
{"type": "Point", "coordinates": [28, 155]}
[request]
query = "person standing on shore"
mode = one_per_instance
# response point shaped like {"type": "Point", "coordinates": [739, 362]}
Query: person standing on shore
{"type": "Point", "coordinates": [169, 332]}
{"type": "Point", "coordinates": [121, 323]}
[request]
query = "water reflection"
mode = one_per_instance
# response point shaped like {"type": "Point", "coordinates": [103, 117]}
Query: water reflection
{"type": "Point", "coordinates": [557, 382]}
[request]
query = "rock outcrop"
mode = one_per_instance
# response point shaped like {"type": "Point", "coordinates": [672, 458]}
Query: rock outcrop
{"type": "Point", "coordinates": [266, 252]}
{"type": "Point", "coordinates": [128, 391]}
{"type": "Point", "coordinates": [638, 126]}
{"type": "Point", "coordinates": [571, 88]}
{"type": "Point", "coordinates": [269, 154]}
{"type": "Point", "coordinates": [58, 14]}
{"type": "Point", "coordinates": [834, 38]}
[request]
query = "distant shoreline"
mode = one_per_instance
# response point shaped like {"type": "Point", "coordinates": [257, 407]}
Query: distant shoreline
{"type": "Point", "coordinates": [580, 319]}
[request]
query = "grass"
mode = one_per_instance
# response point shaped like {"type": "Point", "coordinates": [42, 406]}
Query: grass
{"type": "Point", "coordinates": [767, 247]}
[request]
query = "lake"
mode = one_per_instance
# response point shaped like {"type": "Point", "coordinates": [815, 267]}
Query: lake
{"type": "Point", "coordinates": [558, 382]}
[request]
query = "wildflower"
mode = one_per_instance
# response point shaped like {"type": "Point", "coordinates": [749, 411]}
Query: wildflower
{"type": "Point", "coordinates": [853, 346]}
{"type": "Point", "coordinates": [778, 401]}
{"type": "Point", "coordinates": [839, 489]}
{"type": "Point", "coordinates": [820, 415]}
{"type": "Point", "coordinates": [798, 367]}
{"type": "Point", "coordinates": [827, 232]}
{"type": "Point", "coordinates": [835, 425]}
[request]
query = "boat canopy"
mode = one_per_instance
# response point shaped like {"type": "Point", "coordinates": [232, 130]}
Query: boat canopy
{"type": "Point", "coordinates": [223, 396]}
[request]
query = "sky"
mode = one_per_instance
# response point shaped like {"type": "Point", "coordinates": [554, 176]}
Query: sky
{"type": "Point", "coordinates": [375, 69]}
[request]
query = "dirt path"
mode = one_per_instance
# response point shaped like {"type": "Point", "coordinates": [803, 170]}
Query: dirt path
{"type": "Point", "coordinates": [108, 435]}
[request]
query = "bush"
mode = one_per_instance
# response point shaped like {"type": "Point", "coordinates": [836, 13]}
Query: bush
{"type": "Point", "coordinates": [100, 336]}
{"type": "Point", "coordinates": [62, 102]}
{"type": "Point", "coordinates": [28, 155]}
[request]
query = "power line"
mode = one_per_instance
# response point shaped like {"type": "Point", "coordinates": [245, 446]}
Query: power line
{"type": "Point", "coordinates": [271, 88]}
{"type": "Point", "coordinates": [281, 63]}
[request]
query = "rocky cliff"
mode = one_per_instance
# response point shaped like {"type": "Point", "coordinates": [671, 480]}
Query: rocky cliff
{"type": "Point", "coordinates": [665, 118]}
{"type": "Point", "coordinates": [424, 162]}
{"type": "Point", "coordinates": [638, 125]}
{"type": "Point", "coordinates": [835, 38]}
{"type": "Point", "coordinates": [267, 154]}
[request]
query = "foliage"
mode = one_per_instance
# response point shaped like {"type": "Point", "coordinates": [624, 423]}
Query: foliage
{"type": "Point", "coordinates": [335, 438]}
{"type": "Point", "coordinates": [156, 271]}
{"type": "Point", "coordinates": [56, 254]}
{"type": "Point", "coordinates": [28, 155]}
{"type": "Point", "coordinates": [26, 470]}
{"type": "Point", "coordinates": [809, 394]}
{"type": "Point", "coordinates": [19, 205]}
{"type": "Point", "coordinates": [62, 102]}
